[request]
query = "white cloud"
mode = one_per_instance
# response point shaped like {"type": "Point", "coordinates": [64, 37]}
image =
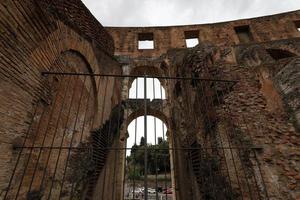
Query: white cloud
{"type": "Point", "coordinates": [177, 12]}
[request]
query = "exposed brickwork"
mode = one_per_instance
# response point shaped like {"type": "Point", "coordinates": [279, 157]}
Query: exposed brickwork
{"type": "Point", "coordinates": [261, 110]}
{"type": "Point", "coordinates": [220, 34]}
{"type": "Point", "coordinates": [254, 107]}
{"type": "Point", "coordinates": [76, 15]}
{"type": "Point", "coordinates": [33, 41]}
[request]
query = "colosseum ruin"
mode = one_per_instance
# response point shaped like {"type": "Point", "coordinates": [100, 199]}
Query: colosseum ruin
{"type": "Point", "coordinates": [229, 107]}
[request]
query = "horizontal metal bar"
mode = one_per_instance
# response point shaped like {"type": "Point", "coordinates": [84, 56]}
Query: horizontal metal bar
{"type": "Point", "coordinates": [137, 76]}
{"type": "Point", "coordinates": [111, 148]}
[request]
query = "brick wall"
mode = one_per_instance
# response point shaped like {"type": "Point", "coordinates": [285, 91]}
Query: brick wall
{"type": "Point", "coordinates": [263, 29]}
{"type": "Point", "coordinates": [33, 41]}
{"type": "Point", "coordinates": [253, 112]}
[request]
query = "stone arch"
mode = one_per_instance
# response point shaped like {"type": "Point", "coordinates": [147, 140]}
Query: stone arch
{"type": "Point", "coordinates": [290, 48]}
{"type": "Point", "coordinates": [150, 71]}
{"type": "Point", "coordinates": [253, 56]}
{"type": "Point", "coordinates": [278, 54]}
{"type": "Point", "coordinates": [153, 112]}
{"type": "Point", "coordinates": [146, 70]}
{"type": "Point", "coordinates": [66, 39]}
{"type": "Point", "coordinates": [72, 60]}
{"type": "Point", "coordinates": [256, 55]}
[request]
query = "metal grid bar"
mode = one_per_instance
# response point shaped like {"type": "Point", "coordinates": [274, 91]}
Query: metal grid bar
{"type": "Point", "coordinates": [137, 76]}
{"type": "Point", "coordinates": [71, 128]}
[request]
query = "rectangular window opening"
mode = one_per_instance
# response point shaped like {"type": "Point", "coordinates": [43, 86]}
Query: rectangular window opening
{"type": "Point", "coordinates": [244, 34]}
{"type": "Point", "coordinates": [297, 24]}
{"type": "Point", "coordinates": [145, 41]}
{"type": "Point", "coordinates": [191, 38]}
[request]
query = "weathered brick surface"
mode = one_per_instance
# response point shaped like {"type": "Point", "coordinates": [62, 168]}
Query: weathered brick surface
{"type": "Point", "coordinates": [261, 110]}
{"type": "Point", "coordinates": [32, 41]}
{"type": "Point", "coordinates": [263, 107]}
{"type": "Point", "coordinates": [76, 15]}
{"type": "Point", "coordinates": [263, 29]}
{"type": "Point", "coordinates": [253, 113]}
{"type": "Point", "coordinates": [288, 83]}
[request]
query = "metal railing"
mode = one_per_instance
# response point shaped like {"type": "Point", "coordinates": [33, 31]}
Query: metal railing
{"type": "Point", "coordinates": [72, 147]}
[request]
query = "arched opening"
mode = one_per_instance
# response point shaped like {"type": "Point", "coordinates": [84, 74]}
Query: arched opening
{"type": "Point", "coordinates": [148, 159]}
{"type": "Point", "coordinates": [64, 121]}
{"type": "Point", "coordinates": [154, 89]}
{"type": "Point", "coordinates": [156, 159]}
{"type": "Point", "coordinates": [278, 54]}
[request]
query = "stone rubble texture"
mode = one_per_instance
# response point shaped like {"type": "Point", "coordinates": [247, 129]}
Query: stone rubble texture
{"type": "Point", "coordinates": [262, 109]}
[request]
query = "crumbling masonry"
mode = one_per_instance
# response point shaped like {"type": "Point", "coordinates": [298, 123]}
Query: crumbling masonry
{"type": "Point", "coordinates": [232, 103]}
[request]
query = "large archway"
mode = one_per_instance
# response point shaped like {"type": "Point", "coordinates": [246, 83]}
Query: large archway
{"type": "Point", "coordinates": [158, 159]}
{"type": "Point", "coordinates": [148, 155]}
{"type": "Point", "coordinates": [59, 125]}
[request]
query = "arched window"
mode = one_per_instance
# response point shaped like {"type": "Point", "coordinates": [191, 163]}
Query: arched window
{"type": "Point", "coordinates": [156, 130]}
{"type": "Point", "coordinates": [158, 159]}
{"type": "Point", "coordinates": [157, 154]}
{"type": "Point", "coordinates": [154, 89]}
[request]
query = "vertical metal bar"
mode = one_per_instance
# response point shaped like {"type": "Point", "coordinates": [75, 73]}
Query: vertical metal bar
{"type": "Point", "coordinates": [83, 126]}
{"type": "Point", "coordinates": [228, 136]}
{"type": "Point", "coordinates": [97, 95]}
{"type": "Point", "coordinates": [35, 138]}
{"type": "Point", "coordinates": [208, 158]}
{"type": "Point", "coordinates": [135, 133]}
{"type": "Point", "coordinates": [55, 131]}
{"type": "Point", "coordinates": [255, 156]}
{"type": "Point", "coordinates": [21, 151]}
{"type": "Point", "coordinates": [259, 168]}
{"type": "Point", "coordinates": [72, 138]}
{"type": "Point", "coordinates": [62, 140]}
{"type": "Point", "coordinates": [238, 150]}
{"type": "Point", "coordinates": [109, 138]}
{"type": "Point", "coordinates": [196, 147]}
{"type": "Point", "coordinates": [45, 135]}
{"type": "Point", "coordinates": [155, 150]}
{"type": "Point", "coordinates": [115, 155]}
{"type": "Point", "coordinates": [210, 99]}
{"type": "Point", "coordinates": [98, 140]}
{"type": "Point", "coordinates": [222, 146]}
{"type": "Point", "coordinates": [145, 136]}
{"type": "Point", "coordinates": [127, 115]}
{"type": "Point", "coordinates": [164, 138]}
{"type": "Point", "coordinates": [253, 151]}
{"type": "Point", "coordinates": [117, 134]}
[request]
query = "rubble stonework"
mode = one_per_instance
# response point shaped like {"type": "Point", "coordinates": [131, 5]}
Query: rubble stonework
{"type": "Point", "coordinates": [34, 41]}
{"type": "Point", "coordinates": [260, 110]}
{"type": "Point", "coordinates": [257, 109]}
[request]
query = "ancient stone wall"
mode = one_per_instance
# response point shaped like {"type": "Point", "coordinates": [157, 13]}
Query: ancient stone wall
{"type": "Point", "coordinates": [262, 29]}
{"type": "Point", "coordinates": [252, 112]}
{"type": "Point", "coordinates": [259, 113]}
{"type": "Point", "coordinates": [32, 41]}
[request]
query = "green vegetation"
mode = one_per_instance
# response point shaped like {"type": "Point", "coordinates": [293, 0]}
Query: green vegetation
{"type": "Point", "coordinates": [157, 155]}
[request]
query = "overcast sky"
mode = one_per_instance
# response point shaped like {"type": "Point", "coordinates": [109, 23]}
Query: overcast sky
{"type": "Point", "coordinates": [178, 12]}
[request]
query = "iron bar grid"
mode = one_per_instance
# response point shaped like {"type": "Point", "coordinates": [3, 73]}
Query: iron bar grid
{"type": "Point", "coordinates": [73, 147]}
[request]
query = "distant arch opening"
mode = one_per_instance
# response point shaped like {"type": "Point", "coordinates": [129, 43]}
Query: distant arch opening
{"type": "Point", "coordinates": [154, 89]}
{"type": "Point", "coordinates": [278, 54]}
{"type": "Point", "coordinates": [158, 159]}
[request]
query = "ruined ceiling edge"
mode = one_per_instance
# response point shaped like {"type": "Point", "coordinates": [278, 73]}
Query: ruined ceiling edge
{"type": "Point", "coordinates": [78, 17]}
{"type": "Point", "coordinates": [208, 24]}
